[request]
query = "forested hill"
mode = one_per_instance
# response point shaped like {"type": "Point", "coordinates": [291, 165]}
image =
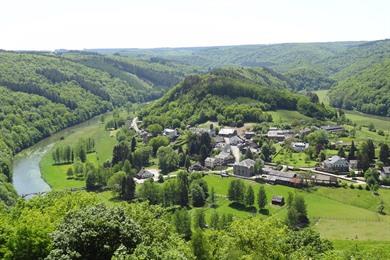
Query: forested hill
{"type": "Point", "coordinates": [42, 93]}
{"type": "Point", "coordinates": [308, 66]}
{"type": "Point", "coordinates": [230, 96]}
{"type": "Point", "coordinates": [368, 92]}
{"type": "Point", "coordinates": [154, 72]}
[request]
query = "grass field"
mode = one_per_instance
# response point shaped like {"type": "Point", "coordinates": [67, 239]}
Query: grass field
{"type": "Point", "coordinates": [56, 177]}
{"type": "Point", "coordinates": [280, 116]}
{"type": "Point", "coordinates": [361, 119]}
{"type": "Point", "coordinates": [337, 213]}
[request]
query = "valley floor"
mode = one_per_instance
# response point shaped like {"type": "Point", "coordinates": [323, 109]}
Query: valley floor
{"type": "Point", "coordinates": [346, 216]}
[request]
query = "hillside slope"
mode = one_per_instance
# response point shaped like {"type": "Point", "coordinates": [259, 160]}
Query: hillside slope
{"type": "Point", "coordinates": [367, 92]}
{"type": "Point", "coordinates": [154, 72]}
{"type": "Point", "coordinates": [229, 96]}
{"type": "Point", "coordinates": [41, 93]}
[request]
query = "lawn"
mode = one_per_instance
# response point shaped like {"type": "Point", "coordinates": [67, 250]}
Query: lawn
{"type": "Point", "coordinates": [55, 176]}
{"type": "Point", "coordinates": [361, 119]}
{"type": "Point", "coordinates": [337, 213]}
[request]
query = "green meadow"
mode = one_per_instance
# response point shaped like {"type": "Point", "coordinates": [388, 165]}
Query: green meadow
{"type": "Point", "coordinates": [340, 214]}
{"type": "Point", "coordinates": [55, 175]}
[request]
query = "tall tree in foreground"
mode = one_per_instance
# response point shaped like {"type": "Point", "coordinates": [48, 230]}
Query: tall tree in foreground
{"type": "Point", "coordinates": [236, 191]}
{"type": "Point", "coordinates": [95, 233]}
{"type": "Point", "coordinates": [199, 219]}
{"type": "Point", "coordinates": [249, 197]}
{"type": "Point", "coordinates": [352, 151]}
{"type": "Point", "coordinates": [182, 180]}
{"type": "Point", "coordinates": [262, 198]}
{"type": "Point", "coordinates": [182, 222]}
{"type": "Point", "coordinates": [213, 199]}
{"type": "Point", "coordinates": [199, 246]}
{"type": "Point", "coordinates": [297, 213]}
{"type": "Point", "coordinates": [384, 154]}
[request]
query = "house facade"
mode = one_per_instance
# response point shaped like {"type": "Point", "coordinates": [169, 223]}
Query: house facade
{"type": "Point", "coordinates": [244, 168]}
{"type": "Point", "coordinates": [336, 164]}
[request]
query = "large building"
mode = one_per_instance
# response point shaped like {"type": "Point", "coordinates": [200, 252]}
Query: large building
{"type": "Point", "coordinates": [336, 164]}
{"type": "Point", "coordinates": [227, 132]}
{"type": "Point", "coordinates": [332, 128]}
{"type": "Point", "coordinates": [244, 168]}
{"type": "Point", "coordinates": [280, 135]}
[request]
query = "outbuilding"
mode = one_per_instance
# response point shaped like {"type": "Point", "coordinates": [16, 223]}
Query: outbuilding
{"type": "Point", "coordinates": [278, 200]}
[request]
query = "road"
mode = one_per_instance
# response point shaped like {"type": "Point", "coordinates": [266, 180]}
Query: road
{"type": "Point", "coordinates": [134, 124]}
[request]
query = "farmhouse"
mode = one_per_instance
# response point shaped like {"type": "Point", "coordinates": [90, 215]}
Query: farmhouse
{"type": "Point", "coordinates": [299, 146]}
{"type": "Point", "coordinates": [279, 135]}
{"type": "Point", "coordinates": [283, 178]}
{"type": "Point", "coordinates": [244, 168]}
{"type": "Point", "coordinates": [227, 132]}
{"type": "Point", "coordinates": [321, 179]}
{"type": "Point", "coordinates": [336, 164]}
{"type": "Point", "coordinates": [332, 128]}
{"type": "Point", "coordinates": [144, 174]}
{"type": "Point", "coordinates": [277, 200]}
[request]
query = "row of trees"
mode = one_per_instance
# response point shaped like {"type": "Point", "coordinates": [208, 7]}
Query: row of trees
{"type": "Point", "coordinates": [66, 154]}
{"type": "Point", "coordinates": [182, 190]}
{"type": "Point", "coordinates": [240, 193]}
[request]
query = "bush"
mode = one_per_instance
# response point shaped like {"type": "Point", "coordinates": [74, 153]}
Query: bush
{"type": "Point", "coordinates": [352, 186]}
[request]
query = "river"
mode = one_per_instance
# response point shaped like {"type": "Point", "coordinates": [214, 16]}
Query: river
{"type": "Point", "coordinates": [27, 177]}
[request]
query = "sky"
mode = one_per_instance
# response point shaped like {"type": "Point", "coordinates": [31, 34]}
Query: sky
{"type": "Point", "coordinates": [86, 24]}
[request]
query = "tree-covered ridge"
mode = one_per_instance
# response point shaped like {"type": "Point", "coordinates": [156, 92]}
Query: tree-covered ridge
{"type": "Point", "coordinates": [230, 96]}
{"type": "Point", "coordinates": [149, 73]}
{"type": "Point", "coordinates": [334, 59]}
{"type": "Point", "coordinates": [309, 79]}
{"type": "Point", "coordinates": [59, 80]}
{"type": "Point", "coordinates": [368, 92]}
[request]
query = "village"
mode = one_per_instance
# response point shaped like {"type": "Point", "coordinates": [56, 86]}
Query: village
{"type": "Point", "coordinates": [236, 153]}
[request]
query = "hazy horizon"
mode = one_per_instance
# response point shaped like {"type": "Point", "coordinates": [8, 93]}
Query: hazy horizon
{"type": "Point", "coordinates": [120, 24]}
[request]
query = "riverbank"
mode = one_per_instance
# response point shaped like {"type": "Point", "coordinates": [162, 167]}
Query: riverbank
{"type": "Point", "coordinates": [55, 175]}
{"type": "Point", "coordinates": [29, 173]}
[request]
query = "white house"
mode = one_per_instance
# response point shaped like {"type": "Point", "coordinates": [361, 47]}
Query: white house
{"type": "Point", "coordinates": [299, 146]}
{"type": "Point", "coordinates": [227, 132]}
